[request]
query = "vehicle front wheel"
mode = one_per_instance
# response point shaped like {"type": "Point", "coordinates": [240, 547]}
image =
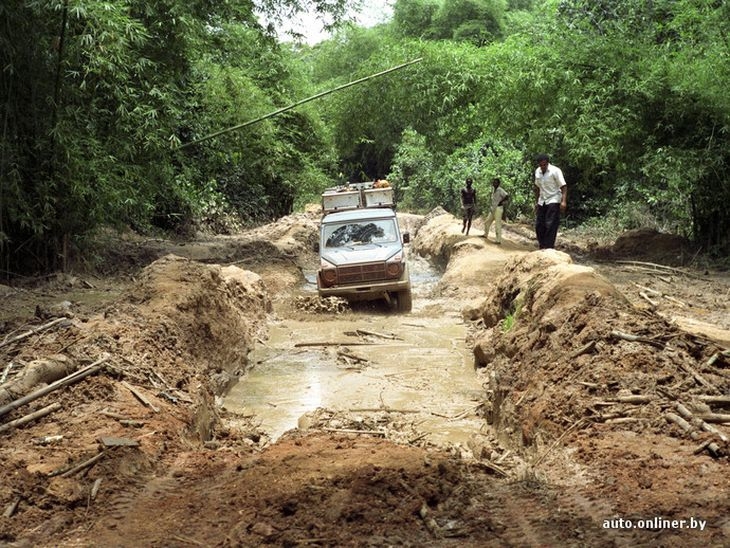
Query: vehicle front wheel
{"type": "Point", "coordinates": [404, 301]}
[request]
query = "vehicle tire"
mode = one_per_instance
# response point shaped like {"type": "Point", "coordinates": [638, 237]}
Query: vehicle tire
{"type": "Point", "coordinates": [404, 301]}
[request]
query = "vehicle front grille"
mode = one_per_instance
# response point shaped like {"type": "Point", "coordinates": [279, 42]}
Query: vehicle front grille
{"type": "Point", "coordinates": [370, 272]}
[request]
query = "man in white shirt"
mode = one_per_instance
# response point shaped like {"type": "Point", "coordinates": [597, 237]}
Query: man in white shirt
{"type": "Point", "coordinates": [499, 198]}
{"type": "Point", "coordinates": [551, 195]}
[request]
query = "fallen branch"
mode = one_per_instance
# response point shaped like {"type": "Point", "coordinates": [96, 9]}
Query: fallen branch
{"type": "Point", "coordinates": [714, 399]}
{"type": "Point", "coordinates": [349, 343]}
{"type": "Point", "coordinates": [34, 331]}
{"type": "Point", "coordinates": [6, 371]}
{"type": "Point", "coordinates": [692, 433]}
{"type": "Point", "coordinates": [69, 471]}
{"type": "Point", "coordinates": [95, 488]}
{"type": "Point", "coordinates": [61, 383]}
{"type": "Point", "coordinates": [662, 267]}
{"type": "Point", "coordinates": [623, 420]}
{"type": "Point", "coordinates": [646, 297]}
{"type": "Point", "coordinates": [649, 290]}
{"type": "Point", "coordinates": [141, 397]}
{"type": "Point", "coordinates": [675, 301]}
{"type": "Point", "coordinates": [352, 356]}
{"type": "Point", "coordinates": [354, 431]}
{"type": "Point", "coordinates": [490, 466]}
{"type": "Point", "coordinates": [418, 438]}
{"type": "Point", "coordinates": [634, 399]}
{"type": "Point", "coordinates": [382, 410]}
{"type": "Point", "coordinates": [717, 418]}
{"type": "Point", "coordinates": [11, 508]}
{"type": "Point", "coordinates": [635, 338]}
{"type": "Point", "coordinates": [699, 378]}
{"type": "Point", "coordinates": [465, 413]}
{"type": "Point", "coordinates": [47, 410]}
{"type": "Point", "coordinates": [687, 414]}
{"type": "Point", "coordinates": [588, 347]}
{"type": "Point", "coordinates": [113, 415]}
{"type": "Point", "coordinates": [376, 334]}
{"type": "Point", "coordinates": [429, 522]}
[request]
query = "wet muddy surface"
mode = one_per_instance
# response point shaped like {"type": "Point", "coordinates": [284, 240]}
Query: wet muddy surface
{"type": "Point", "coordinates": [581, 426]}
{"type": "Point", "coordinates": [370, 359]}
{"type": "Point", "coordinates": [424, 371]}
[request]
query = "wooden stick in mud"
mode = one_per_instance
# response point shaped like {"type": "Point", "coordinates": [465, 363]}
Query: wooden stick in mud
{"type": "Point", "coordinates": [635, 338]}
{"type": "Point", "coordinates": [717, 418]}
{"type": "Point", "coordinates": [71, 471]}
{"type": "Point", "coordinates": [675, 301]}
{"type": "Point", "coordinates": [60, 383]}
{"type": "Point", "coordinates": [33, 331]}
{"type": "Point", "coordinates": [383, 410]}
{"type": "Point", "coordinates": [714, 399]}
{"type": "Point", "coordinates": [354, 431]}
{"type": "Point", "coordinates": [687, 414]}
{"type": "Point", "coordinates": [636, 399]}
{"type": "Point", "coordinates": [95, 489]}
{"type": "Point", "coordinates": [141, 397]}
{"type": "Point", "coordinates": [301, 344]}
{"type": "Point", "coordinates": [11, 508]}
{"type": "Point", "coordinates": [6, 371]}
{"type": "Point", "coordinates": [646, 297]}
{"type": "Point", "coordinates": [699, 378]}
{"type": "Point", "coordinates": [661, 267]}
{"type": "Point", "coordinates": [691, 432]}
{"type": "Point", "coordinates": [352, 356]}
{"type": "Point", "coordinates": [47, 410]}
{"type": "Point", "coordinates": [376, 334]}
{"type": "Point", "coordinates": [716, 356]}
{"type": "Point", "coordinates": [588, 347]}
{"type": "Point", "coordinates": [649, 290]}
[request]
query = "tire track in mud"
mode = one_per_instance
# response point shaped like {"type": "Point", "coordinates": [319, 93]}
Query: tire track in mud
{"type": "Point", "coordinates": [126, 509]}
{"type": "Point", "coordinates": [533, 514]}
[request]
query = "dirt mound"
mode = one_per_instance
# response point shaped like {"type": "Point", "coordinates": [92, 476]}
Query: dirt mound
{"type": "Point", "coordinates": [649, 245]}
{"type": "Point", "coordinates": [161, 355]}
{"type": "Point", "coordinates": [437, 236]}
{"type": "Point", "coordinates": [600, 349]}
{"type": "Point", "coordinates": [205, 312]}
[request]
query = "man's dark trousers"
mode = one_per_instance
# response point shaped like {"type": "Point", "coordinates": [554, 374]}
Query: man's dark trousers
{"type": "Point", "coordinates": [546, 224]}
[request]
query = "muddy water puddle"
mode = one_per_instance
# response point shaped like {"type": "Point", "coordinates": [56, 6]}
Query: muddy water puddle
{"type": "Point", "coordinates": [426, 373]}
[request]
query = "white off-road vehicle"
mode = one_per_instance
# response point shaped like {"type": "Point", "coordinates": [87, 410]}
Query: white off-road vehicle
{"type": "Point", "coordinates": [361, 249]}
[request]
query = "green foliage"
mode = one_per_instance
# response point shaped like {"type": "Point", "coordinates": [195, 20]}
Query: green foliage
{"type": "Point", "coordinates": [412, 173]}
{"type": "Point", "coordinates": [96, 96]}
{"type": "Point", "coordinates": [628, 97]}
{"type": "Point", "coordinates": [413, 18]}
{"type": "Point", "coordinates": [479, 21]}
{"type": "Point", "coordinates": [475, 21]}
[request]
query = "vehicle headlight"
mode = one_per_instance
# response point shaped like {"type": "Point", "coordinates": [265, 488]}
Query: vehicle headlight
{"type": "Point", "coordinates": [394, 266]}
{"type": "Point", "coordinates": [327, 273]}
{"type": "Point", "coordinates": [393, 270]}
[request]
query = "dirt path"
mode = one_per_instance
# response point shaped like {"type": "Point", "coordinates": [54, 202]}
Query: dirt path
{"type": "Point", "coordinates": [549, 442]}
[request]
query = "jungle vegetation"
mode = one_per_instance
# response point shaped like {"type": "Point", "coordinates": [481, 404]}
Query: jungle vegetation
{"type": "Point", "coordinates": [103, 106]}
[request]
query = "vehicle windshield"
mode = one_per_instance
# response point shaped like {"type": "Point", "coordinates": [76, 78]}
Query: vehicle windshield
{"type": "Point", "coordinates": [364, 232]}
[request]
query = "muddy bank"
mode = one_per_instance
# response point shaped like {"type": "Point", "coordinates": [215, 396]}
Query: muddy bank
{"type": "Point", "coordinates": [173, 342]}
{"type": "Point", "coordinates": [582, 418]}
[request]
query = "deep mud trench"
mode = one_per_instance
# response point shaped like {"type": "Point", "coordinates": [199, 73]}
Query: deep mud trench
{"type": "Point", "coordinates": [530, 398]}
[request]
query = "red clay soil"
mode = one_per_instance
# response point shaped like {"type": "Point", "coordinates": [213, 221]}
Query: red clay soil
{"type": "Point", "coordinates": [139, 453]}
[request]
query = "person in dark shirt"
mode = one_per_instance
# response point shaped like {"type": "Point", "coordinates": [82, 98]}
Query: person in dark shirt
{"type": "Point", "coordinates": [468, 205]}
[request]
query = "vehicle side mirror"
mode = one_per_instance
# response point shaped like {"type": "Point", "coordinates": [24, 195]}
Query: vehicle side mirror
{"type": "Point", "coordinates": [406, 237]}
